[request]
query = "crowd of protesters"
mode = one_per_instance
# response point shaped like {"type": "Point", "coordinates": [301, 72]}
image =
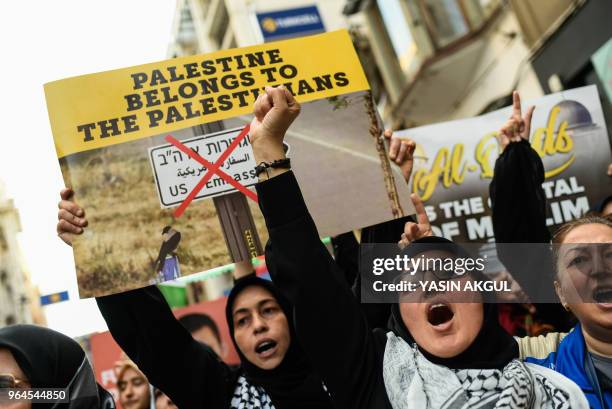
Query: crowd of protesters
{"type": "Point", "coordinates": [304, 339]}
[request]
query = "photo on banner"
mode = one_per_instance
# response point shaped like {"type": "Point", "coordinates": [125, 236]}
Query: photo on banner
{"type": "Point", "coordinates": [107, 356]}
{"type": "Point", "coordinates": [158, 156]}
{"type": "Point", "coordinates": [454, 163]}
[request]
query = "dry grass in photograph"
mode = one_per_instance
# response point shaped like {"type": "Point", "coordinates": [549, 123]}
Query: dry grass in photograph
{"type": "Point", "coordinates": [116, 188]}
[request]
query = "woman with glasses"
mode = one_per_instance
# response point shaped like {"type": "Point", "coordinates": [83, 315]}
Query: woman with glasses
{"type": "Point", "coordinates": [37, 357]}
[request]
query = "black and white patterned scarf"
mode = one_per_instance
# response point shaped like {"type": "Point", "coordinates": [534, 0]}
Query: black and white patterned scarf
{"type": "Point", "coordinates": [412, 381]}
{"type": "Point", "coordinates": [248, 396]}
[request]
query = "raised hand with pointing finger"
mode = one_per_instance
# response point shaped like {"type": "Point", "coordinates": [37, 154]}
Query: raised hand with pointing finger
{"type": "Point", "coordinates": [422, 228]}
{"type": "Point", "coordinates": [518, 127]}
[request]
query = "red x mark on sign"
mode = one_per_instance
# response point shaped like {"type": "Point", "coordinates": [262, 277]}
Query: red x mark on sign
{"type": "Point", "coordinates": [213, 168]}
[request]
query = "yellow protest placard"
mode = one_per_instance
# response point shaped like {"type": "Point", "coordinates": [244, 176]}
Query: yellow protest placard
{"type": "Point", "coordinates": [98, 110]}
{"type": "Point", "coordinates": [159, 159]}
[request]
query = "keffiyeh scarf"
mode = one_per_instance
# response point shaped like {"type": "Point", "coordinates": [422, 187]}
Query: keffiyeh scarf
{"type": "Point", "coordinates": [248, 396]}
{"type": "Point", "coordinates": [412, 381]}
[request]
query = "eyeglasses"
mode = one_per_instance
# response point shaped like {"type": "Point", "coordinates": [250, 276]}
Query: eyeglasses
{"type": "Point", "coordinates": [9, 381]}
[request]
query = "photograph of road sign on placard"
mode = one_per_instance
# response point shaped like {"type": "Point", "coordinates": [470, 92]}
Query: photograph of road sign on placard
{"type": "Point", "coordinates": [176, 174]}
{"type": "Point", "coordinates": [146, 158]}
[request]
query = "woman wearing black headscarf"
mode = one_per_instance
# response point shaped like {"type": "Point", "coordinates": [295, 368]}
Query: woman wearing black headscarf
{"type": "Point", "coordinates": [437, 354]}
{"type": "Point", "coordinates": [273, 373]}
{"type": "Point", "coordinates": [292, 383]}
{"type": "Point", "coordinates": [37, 357]}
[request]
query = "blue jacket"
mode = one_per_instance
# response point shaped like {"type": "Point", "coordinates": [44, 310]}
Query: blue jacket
{"type": "Point", "coordinates": [570, 358]}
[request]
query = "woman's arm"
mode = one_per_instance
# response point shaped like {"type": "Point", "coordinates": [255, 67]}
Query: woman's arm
{"type": "Point", "coordinates": [327, 317]}
{"type": "Point", "coordinates": [376, 314]}
{"type": "Point", "coordinates": [189, 372]}
{"type": "Point", "coordinates": [517, 197]}
{"type": "Point", "coordinates": [143, 325]}
{"type": "Point", "coordinates": [519, 208]}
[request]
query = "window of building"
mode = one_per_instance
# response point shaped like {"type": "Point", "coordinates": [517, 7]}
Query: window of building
{"type": "Point", "coordinates": [446, 20]}
{"type": "Point", "coordinates": [397, 30]}
{"type": "Point", "coordinates": [186, 32]}
{"type": "Point", "coordinates": [220, 25]}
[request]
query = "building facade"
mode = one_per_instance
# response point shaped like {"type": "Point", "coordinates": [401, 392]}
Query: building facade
{"type": "Point", "coordinates": [431, 60]}
{"type": "Point", "coordinates": [202, 26]}
{"type": "Point", "coordinates": [448, 59]}
{"type": "Point", "coordinates": [573, 50]}
{"type": "Point", "coordinates": [19, 300]}
{"type": "Point", "coordinates": [427, 61]}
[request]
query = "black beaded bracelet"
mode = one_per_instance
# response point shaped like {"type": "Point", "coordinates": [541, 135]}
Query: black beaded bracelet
{"type": "Point", "coordinates": [277, 164]}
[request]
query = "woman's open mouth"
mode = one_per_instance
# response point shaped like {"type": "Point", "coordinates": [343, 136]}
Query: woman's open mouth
{"type": "Point", "coordinates": [603, 296]}
{"type": "Point", "coordinates": [265, 348]}
{"type": "Point", "coordinates": [439, 314]}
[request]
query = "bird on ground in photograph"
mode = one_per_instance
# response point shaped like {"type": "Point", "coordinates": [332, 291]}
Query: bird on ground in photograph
{"type": "Point", "coordinates": [171, 239]}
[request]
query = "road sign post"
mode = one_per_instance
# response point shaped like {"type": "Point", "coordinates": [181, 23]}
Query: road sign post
{"type": "Point", "coordinates": [234, 214]}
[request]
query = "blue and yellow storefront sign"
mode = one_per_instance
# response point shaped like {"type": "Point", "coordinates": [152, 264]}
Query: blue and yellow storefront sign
{"type": "Point", "coordinates": [276, 25]}
{"type": "Point", "coordinates": [53, 298]}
